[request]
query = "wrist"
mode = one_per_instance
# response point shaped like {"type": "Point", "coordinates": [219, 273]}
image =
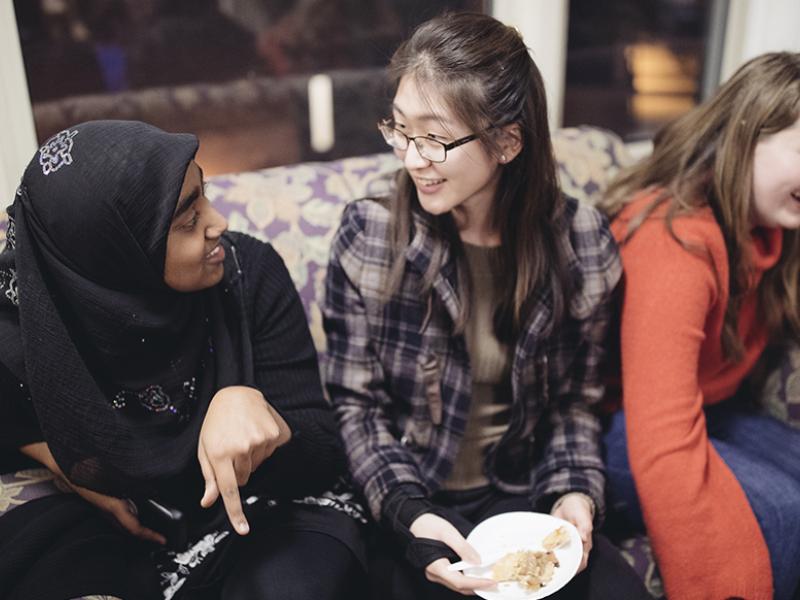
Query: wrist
{"type": "Point", "coordinates": [40, 452]}
{"type": "Point", "coordinates": [586, 497]}
{"type": "Point", "coordinates": [404, 505]}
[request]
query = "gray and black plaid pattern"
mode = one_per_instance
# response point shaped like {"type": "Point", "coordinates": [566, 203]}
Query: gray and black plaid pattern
{"type": "Point", "coordinates": [385, 361]}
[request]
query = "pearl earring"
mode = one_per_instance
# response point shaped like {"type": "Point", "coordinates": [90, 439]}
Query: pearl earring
{"type": "Point", "coordinates": [503, 158]}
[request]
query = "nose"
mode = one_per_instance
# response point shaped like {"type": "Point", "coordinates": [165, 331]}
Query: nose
{"type": "Point", "coordinates": [218, 226]}
{"type": "Point", "coordinates": [413, 159]}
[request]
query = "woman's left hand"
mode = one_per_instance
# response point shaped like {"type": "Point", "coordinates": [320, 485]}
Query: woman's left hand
{"type": "Point", "coordinates": [578, 510]}
{"type": "Point", "coordinates": [121, 510]}
{"type": "Point", "coordinates": [240, 431]}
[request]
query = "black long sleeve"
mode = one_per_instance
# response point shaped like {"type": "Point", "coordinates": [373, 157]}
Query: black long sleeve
{"type": "Point", "coordinates": [18, 423]}
{"type": "Point", "coordinates": [287, 373]}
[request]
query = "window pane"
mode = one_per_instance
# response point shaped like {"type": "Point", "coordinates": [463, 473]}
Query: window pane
{"type": "Point", "coordinates": [633, 65]}
{"type": "Point", "coordinates": [236, 72]}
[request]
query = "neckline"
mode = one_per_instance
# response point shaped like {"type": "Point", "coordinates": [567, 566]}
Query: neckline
{"type": "Point", "coordinates": [767, 247]}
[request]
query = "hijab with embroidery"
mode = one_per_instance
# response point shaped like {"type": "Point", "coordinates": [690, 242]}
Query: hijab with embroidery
{"type": "Point", "coordinates": [119, 367]}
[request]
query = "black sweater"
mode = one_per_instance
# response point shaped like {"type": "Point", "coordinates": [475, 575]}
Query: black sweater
{"type": "Point", "coordinates": [285, 369]}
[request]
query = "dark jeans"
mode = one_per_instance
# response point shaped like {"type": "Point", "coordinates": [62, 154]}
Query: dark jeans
{"type": "Point", "coordinates": [607, 577]}
{"type": "Point", "coordinates": [764, 456]}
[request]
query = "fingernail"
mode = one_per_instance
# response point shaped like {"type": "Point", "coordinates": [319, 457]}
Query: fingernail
{"type": "Point", "coordinates": [242, 527]}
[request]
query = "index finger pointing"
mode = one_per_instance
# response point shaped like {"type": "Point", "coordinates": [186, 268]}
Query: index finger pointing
{"type": "Point", "coordinates": [226, 482]}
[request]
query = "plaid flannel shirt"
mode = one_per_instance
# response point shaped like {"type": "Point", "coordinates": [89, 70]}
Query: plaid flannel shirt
{"type": "Point", "coordinates": [399, 378]}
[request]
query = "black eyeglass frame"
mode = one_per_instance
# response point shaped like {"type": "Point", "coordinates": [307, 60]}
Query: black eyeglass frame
{"type": "Point", "coordinates": [447, 147]}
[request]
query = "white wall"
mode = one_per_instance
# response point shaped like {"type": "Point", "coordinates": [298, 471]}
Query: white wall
{"type": "Point", "coordinates": [18, 141]}
{"type": "Point", "coordinates": [543, 25]}
{"type": "Point", "coordinates": [758, 26]}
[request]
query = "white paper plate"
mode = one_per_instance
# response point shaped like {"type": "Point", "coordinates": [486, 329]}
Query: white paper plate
{"type": "Point", "coordinates": [513, 531]}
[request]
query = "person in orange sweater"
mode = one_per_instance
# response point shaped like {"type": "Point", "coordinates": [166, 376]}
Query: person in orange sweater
{"type": "Point", "coordinates": [709, 232]}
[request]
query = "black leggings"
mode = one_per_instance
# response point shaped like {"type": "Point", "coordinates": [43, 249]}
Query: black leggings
{"type": "Point", "coordinates": [61, 546]}
{"type": "Point", "coordinates": [607, 577]}
{"type": "Point", "coordinates": [297, 565]}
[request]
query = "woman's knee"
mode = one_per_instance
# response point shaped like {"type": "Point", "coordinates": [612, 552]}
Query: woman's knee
{"type": "Point", "coordinates": [306, 566]}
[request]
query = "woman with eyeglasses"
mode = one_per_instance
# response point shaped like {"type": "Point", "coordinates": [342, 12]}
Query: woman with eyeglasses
{"type": "Point", "coordinates": [466, 317]}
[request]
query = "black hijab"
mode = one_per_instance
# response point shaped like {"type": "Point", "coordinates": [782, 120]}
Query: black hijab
{"type": "Point", "coordinates": [120, 368]}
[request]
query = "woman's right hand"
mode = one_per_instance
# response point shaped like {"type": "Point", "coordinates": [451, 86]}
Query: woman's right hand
{"type": "Point", "coordinates": [240, 431]}
{"type": "Point", "coordinates": [122, 511]}
{"type": "Point", "coordinates": [433, 527]}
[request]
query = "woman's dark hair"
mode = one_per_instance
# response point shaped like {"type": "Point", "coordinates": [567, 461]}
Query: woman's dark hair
{"type": "Point", "coordinates": [483, 72]}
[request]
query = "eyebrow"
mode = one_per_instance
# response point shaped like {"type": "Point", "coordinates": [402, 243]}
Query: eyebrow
{"type": "Point", "coordinates": [425, 117]}
{"type": "Point", "coordinates": [185, 203]}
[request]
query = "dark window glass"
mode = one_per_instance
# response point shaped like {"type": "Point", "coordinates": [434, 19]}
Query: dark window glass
{"type": "Point", "coordinates": [633, 65]}
{"type": "Point", "coordinates": [233, 71]}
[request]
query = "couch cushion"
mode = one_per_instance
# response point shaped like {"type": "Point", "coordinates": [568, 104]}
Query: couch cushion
{"type": "Point", "coordinates": [780, 395]}
{"type": "Point", "coordinates": [637, 551]}
{"type": "Point", "coordinates": [297, 208]}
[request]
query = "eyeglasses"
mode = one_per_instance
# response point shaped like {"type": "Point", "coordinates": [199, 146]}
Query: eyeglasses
{"type": "Point", "coordinates": [428, 148]}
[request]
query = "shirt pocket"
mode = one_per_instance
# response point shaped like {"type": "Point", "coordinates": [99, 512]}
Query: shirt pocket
{"type": "Point", "coordinates": [432, 383]}
{"type": "Point", "coordinates": [427, 406]}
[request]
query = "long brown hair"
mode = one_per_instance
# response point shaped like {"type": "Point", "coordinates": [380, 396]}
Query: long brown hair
{"type": "Point", "coordinates": [482, 70]}
{"type": "Point", "coordinates": [705, 158]}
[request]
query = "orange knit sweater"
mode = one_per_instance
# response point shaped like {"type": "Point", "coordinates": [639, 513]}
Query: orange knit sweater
{"type": "Point", "coordinates": [705, 536]}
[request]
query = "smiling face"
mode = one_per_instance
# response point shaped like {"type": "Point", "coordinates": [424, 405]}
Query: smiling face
{"type": "Point", "coordinates": [466, 182]}
{"type": "Point", "coordinates": [195, 256]}
{"type": "Point", "coordinates": [776, 179]}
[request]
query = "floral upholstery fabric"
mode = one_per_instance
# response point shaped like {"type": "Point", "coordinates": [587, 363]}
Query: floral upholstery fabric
{"type": "Point", "coordinates": [780, 395]}
{"type": "Point", "coordinates": [297, 209]}
{"type": "Point", "coordinates": [19, 487]}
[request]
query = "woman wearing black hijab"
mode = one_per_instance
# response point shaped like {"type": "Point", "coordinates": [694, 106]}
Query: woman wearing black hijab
{"type": "Point", "coordinates": [147, 356]}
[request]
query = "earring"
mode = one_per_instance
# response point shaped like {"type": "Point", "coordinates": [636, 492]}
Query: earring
{"type": "Point", "coordinates": [503, 158]}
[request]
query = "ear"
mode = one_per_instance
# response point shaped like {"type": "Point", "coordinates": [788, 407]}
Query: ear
{"type": "Point", "coordinates": [510, 141]}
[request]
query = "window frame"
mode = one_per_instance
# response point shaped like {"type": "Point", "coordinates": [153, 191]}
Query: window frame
{"type": "Point", "coordinates": [751, 27]}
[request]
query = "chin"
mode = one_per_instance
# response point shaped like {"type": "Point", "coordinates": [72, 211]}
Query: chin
{"type": "Point", "coordinates": [215, 280]}
{"type": "Point", "coordinates": [434, 207]}
{"type": "Point", "coordinates": [199, 284]}
{"type": "Point", "coordinates": [788, 220]}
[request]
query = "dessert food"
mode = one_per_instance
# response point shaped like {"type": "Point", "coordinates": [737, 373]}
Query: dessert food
{"type": "Point", "coordinates": [557, 538]}
{"type": "Point", "coordinates": [532, 569]}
